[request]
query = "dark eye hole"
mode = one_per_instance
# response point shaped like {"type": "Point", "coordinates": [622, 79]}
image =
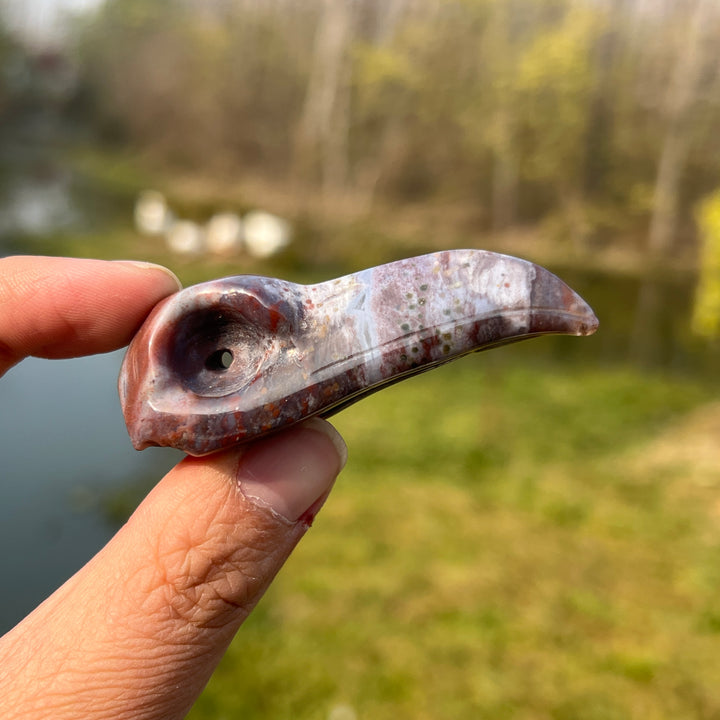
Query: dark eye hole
{"type": "Point", "coordinates": [217, 352]}
{"type": "Point", "coordinates": [219, 360]}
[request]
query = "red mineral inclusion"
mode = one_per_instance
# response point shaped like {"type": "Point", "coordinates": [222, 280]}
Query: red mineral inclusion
{"type": "Point", "coordinates": [229, 360]}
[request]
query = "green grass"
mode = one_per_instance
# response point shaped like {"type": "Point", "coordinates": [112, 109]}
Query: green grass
{"type": "Point", "coordinates": [516, 535]}
{"type": "Point", "coordinates": [504, 542]}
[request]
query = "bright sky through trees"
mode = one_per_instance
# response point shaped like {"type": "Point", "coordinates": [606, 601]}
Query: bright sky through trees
{"type": "Point", "coordinates": [41, 20]}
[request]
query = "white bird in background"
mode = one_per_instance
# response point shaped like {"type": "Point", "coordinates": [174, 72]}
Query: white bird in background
{"type": "Point", "coordinates": [224, 234]}
{"type": "Point", "coordinates": [259, 233]}
{"type": "Point", "coordinates": [265, 234]}
{"type": "Point", "coordinates": [152, 214]}
{"type": "Point", "coordinates": [186, 238]}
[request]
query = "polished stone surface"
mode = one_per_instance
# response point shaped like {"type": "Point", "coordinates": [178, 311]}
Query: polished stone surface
{"type": "Point", "coordinates": [232, 359]}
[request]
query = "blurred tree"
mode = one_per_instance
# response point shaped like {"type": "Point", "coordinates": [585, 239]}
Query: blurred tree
{"type": "Point", "coordinates": [396, 111]}
{"type": "Point", "coordinates": [492, 117]}
{"type": "Point", "coordinates": [502, 39]}
{"type": "Point", "coordinates": [9, 64]}
{"type": "Point", "coordinates": [325, 121]}
{"type": "Point", "coordinates": [203, 85]}
{"type": "Point", "coordinates": [706, 312]}
{"type": "Point", "coordinates": [604, 75]}
{"type": "Point", "coordinates": [600, 112]}
{"type": "Point", "coordinates": [555, 79]}
{"type": "Point", "coordinates": [382, 87]}
{"type": "Point", "coordinates": [696, 45]}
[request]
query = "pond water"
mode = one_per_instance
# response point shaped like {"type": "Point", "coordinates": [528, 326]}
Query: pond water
{"type": "Point", "coordinates": [65, 455]}
{"type": "Point", "coordinates": [40, 195]}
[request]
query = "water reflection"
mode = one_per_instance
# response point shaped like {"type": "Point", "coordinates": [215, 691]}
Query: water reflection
{"type": "Point", "coordinates": [41, 197]}
{"type": "Point", "coordinates": [65, 451]}
{"type": "Point", "coordinates": [38, 204]}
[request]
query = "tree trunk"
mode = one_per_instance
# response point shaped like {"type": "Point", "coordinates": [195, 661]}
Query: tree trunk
{"type": "Point", "coordinates": [646, 341]}
{"type": "Point", "coordinates": [321, 143]}
{"type": "Point", "coordinates": [369, 172]}
{"type": "Point", "coordinates": [502, 42]}
{"type": "Point", "coordinates": [676, 144]}
{"type": "Point", "coordinates": [598, 146]}
{"type": "Point", "coordinates": [388, 18]}
{"type": "Point", "coordinates": [505, 175]}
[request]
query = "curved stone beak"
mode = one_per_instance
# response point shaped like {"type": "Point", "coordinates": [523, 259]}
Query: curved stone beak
{"type": "Point", "coordinates": [230, 360]}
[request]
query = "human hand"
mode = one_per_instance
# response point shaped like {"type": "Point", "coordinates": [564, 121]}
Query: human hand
{"type": "Point", "coordinates": [138, 631]}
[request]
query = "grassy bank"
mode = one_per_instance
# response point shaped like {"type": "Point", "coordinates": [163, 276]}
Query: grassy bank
{"type": "Point", "coordinates": [521, 534]}
{"type": "Point", "coordinates": [506, 541]}
{"type": "Point", "coordinates": [330, 236]}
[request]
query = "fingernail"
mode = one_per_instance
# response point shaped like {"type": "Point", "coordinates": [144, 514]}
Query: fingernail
{"type": "Point", "coordinates": [292, 472]}
{"type": "Point", "coordinates": [152, 266]}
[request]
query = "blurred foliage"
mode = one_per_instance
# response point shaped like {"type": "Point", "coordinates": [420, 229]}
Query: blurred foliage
{"type": "Point", "coordinates": [706, 316]}
{"type": "Point", "coordinates": [524, 109]}
{"type": "Point", "coordinates": [188, 83]}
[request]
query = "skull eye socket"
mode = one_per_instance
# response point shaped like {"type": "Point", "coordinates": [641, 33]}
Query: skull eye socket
{"type": "Point", "coordinates": [217, 352]}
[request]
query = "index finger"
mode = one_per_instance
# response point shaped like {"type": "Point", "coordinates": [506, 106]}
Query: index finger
{"type": "Point", "coordinates": [60, 307]}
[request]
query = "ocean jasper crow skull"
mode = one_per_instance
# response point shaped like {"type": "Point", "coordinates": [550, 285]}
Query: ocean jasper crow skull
{"type": "Point", "coordinates": [229, 360]}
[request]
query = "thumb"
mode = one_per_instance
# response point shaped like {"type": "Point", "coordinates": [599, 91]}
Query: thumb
{"type": "Point", "coordinates": [137, 632]}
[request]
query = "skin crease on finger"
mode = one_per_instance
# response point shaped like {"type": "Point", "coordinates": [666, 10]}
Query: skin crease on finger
{"type": "Point", "coordinates": [153, 635]}
{"type": "Point", "coordinates": [138, 631]}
